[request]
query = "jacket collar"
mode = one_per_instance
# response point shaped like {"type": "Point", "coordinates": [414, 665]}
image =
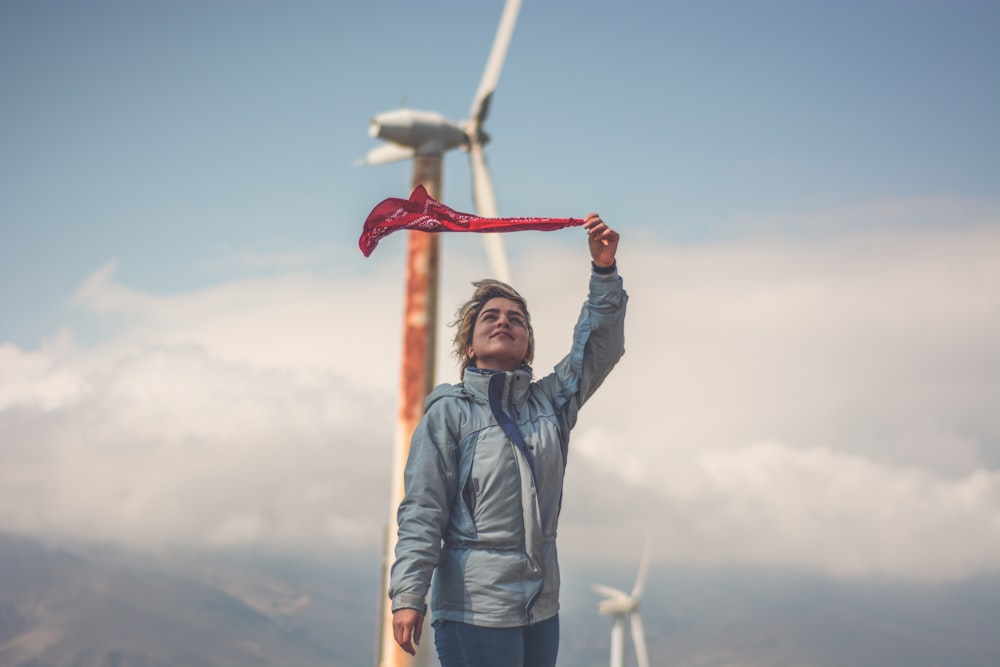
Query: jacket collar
{"type": "Point", "coordinates": [476, 383]}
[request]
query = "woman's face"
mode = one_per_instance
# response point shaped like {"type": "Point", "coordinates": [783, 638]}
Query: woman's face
{"type": "Point", "coordinates": [499, 336]}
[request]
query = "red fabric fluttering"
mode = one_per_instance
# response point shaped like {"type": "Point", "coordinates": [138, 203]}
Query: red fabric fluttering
{"type": "Point", "coordinates": [422, 213]}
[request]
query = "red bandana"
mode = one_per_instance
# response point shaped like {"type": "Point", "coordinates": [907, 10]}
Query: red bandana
{"type": "Point", "coordinates": [421, 212]}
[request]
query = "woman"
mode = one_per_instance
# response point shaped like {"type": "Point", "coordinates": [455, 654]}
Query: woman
{"type": "Point", "coordinates": [483, 480]}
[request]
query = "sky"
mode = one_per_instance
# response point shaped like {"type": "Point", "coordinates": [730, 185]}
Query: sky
{"type": "Point", "coordinates": [194, 353]}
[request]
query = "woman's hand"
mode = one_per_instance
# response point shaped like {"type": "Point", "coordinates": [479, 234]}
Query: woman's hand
{"type": "Point", "coordinates": [407, 626]}
{"type": "Point", "coordinates": [603, 240]}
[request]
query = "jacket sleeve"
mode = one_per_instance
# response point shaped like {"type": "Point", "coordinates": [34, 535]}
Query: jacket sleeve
{"type": "Point", "coordinates": [598, 344]}
{"type": "Point", "coordinates": [429, 489]}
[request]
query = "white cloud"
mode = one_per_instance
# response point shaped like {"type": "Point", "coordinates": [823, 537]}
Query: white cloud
{"type": "Point", "coordinates": [869, 356]}
{"type": "Point", "coordinates": [822, 403]}
{"type": "Point", "coordinates": [297, 323]}
{"type": "Point", "coordinates": [172, 446]}
{"type": "Point", "coordinates": [775, 505]}
{"type": "Point", "coordinates": [38, 379]}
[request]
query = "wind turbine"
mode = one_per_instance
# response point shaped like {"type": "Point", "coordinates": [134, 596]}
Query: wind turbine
{"type": "Point", "coordinates": [624, 607]}
{"type": "Point", "coordinates": [424, 137]}
{"type": "Point", "coordinates": [428, 134]}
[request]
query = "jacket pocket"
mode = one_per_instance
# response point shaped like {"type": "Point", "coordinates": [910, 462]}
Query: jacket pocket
{"type": "Point", "coordinates": [469, 494]}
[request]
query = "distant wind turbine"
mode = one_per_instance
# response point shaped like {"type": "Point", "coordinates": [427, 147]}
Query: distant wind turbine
{"type": "Point", "coordinates": [624, 607]}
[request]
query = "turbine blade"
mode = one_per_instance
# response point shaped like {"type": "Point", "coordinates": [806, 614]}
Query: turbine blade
{"type": "Point", "coordinates": [640, 580]}
{"type": "Point", "coordinates": [482, 183]}
{"type": "Point", "coordinates": [496, 254]}
{"type": "Point", "coordinates": [486, 207]}
{"type": "Point", "coordinates": [609, 592]}
{"type": "Point", "coordinates": [494, 64]}
{"type": "Point", "coordinates": [386, 153]}
{"type": "Point", "coordinates": [639, 640]}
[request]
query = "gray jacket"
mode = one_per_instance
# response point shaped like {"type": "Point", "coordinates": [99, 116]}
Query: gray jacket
{"type": "Point", "coordinates": [483, 509]}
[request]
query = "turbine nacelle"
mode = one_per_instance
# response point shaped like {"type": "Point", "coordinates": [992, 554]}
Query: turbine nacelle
{"type": "Point", "coordinates": [618, 606]}
{"type": "Point", "coordinates": [423, 132]}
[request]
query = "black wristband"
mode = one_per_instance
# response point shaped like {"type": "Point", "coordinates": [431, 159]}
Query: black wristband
{"type": "Point", "coordinates": [605, 270]}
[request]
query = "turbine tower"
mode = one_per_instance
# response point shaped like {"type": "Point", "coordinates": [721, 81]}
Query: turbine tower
{"type": "Point", "coordinates": [624, 607]}
{"type": "Point", "coordinates": [424, 137]}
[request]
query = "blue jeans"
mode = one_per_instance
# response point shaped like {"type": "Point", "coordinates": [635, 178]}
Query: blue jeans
{"type": "Point", "coordinates": [464, 645]}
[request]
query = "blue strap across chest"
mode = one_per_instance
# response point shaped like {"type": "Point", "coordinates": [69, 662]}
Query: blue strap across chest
{"type": "Point", "coordinates": [497, 381]}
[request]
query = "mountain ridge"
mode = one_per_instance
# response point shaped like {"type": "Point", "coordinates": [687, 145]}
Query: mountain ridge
{"type": "Point", "coordinates": [97, 606]}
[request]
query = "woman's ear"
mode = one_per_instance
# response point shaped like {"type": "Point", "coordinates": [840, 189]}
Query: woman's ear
{"type": "Point", "coordinates": [469, 352]}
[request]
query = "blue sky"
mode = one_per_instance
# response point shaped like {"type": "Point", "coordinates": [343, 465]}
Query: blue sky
{"type": "Point", "coordinates": [808, 199]}
{"type": "Point", "coordinates": [172, 136]}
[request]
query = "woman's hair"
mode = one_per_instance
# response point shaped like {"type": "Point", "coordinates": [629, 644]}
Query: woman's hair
{"type": "Point", "coordinates": [467, 313]}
